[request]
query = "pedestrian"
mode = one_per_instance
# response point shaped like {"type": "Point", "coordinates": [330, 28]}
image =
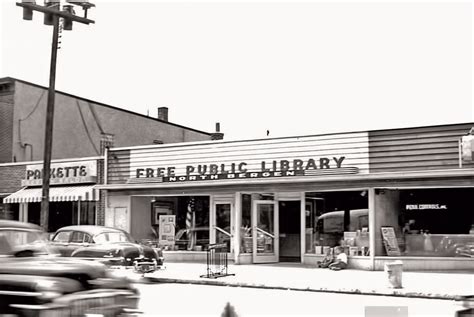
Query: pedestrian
{"type": "Point", "coordinates": [328, 259]}
{"type": "Point", "coordinates": [341, 260]}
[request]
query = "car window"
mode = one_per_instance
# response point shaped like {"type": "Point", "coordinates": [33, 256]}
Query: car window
{"type": "Point", "coordinates": [77, 237]}
{"type": "Point", "coordinates": [62, 236]}
{"type": "Point", "coordinates": [15, 240]}
{"type": "Point", "coordinates": [107, 237]}
{"type": "Point", "coordinates": [87, 238]}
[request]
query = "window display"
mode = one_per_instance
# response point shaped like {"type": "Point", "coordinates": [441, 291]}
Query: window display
{"type": "Point", "coordinates": [433, 222]}
{"type": "Point", "coordinates": [192, 221]}
{"type": "Point", "coordinates": [337, 219]}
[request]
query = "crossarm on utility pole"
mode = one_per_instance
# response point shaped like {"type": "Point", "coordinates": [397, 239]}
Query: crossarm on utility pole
{"type": "Point", "coordinates": [61, 14]}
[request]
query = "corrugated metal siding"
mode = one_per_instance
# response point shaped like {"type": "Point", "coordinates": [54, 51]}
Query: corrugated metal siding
{"type": "Point", "coordinates": [353, 146]}
{"type": "Point", "coordinates": [424, 148]}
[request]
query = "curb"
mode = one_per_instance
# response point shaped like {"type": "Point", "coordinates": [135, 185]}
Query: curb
{"type": "Point", "coordinates": [394, 293]}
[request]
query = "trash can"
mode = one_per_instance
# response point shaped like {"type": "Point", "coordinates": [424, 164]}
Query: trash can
{"type": "Point", "coordinates": [394, 271]}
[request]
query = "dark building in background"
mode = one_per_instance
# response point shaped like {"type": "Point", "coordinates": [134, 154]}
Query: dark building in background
{"type": "Point", "coordinates": [83, 129]}
{"type": "Point", "coordinates": [81, 126]}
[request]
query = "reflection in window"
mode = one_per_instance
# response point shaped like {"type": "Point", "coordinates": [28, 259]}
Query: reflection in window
{"type": "Point", "coordinates": [337, 219]}
{"type": "Point", "coordinates": [223, 234]}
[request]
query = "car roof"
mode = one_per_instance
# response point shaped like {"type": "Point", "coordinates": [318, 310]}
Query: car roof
{"type": "Point", "coordinates": [91, 229]}
{"type": "Point", "coordinates": [18, 225]}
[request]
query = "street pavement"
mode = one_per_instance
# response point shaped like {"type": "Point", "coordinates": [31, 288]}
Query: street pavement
{"type": "Point", "coordinates": [295, 276]}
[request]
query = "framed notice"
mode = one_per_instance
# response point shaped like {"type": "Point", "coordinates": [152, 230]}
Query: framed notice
{"type": "Point", "coordinates": [160, 208]}
{"type": "Point", "coordinates": [167, 230]}
{"type": "Point", "coordinates": [390, 241]}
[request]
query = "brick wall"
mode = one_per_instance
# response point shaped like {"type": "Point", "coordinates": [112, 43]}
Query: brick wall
{"type": "Point", "coordinates": [6, 122]}
{"type": "Point", "coordinates": [10, 178]}
{"type": "Point", "coordinates": [100, 207]}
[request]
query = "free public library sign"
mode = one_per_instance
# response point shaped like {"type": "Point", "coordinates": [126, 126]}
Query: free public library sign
{"type": "Point", "coordinates": [241, 170]}
{"type": "Point", "coordinates": [62, 173]}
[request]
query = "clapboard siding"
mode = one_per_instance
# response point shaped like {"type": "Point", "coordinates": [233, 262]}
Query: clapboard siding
{"type": "Point", "coordinates": [416, 148]}
{"type": "Point", "coordinates": [123, 163]}
{"type": "Point", "coordinates": [410, 149]}
{"type": "Point", "coordinates": [116, 160]}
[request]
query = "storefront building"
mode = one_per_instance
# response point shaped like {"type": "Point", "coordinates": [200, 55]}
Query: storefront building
{"type": "Point", "coordinates": [388, 194]}
{"type": "Point", "coordinates": [73, 198]}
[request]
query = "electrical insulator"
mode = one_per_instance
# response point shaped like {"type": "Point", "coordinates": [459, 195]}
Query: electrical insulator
{"type": "Point", "coordinates": [27, 13]}
{"type": "Point", "coordinates": [67, 23]}
{"type": "Point", "coordinates": [48, 17]}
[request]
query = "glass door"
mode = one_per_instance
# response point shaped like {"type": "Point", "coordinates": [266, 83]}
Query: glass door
{"type": "Point", "coordinates": [221, 226]}
{"type": "Point", "coordinates": [265, 231]}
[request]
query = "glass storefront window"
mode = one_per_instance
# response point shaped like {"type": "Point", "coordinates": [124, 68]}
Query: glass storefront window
{"type": "Point", "coordinates": [86, 211]}
{"type": "Point", "coordinates": [429, 222]}
{"type": "Point", "coordinates": [192, 223]}
{"type": "Point", "coordinates": [337, 219]}
{"type": "Point", "coordinates": [9, 211]}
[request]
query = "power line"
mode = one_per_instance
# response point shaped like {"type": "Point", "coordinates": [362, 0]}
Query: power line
{"type": "Point", "coordinates": [29, 114]}
{"type": "Point", "coordinates": [96, 118]}
{"type": "Point", "coordinates": [85, 127]}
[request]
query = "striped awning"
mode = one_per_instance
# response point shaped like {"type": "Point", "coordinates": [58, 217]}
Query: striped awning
{"type": "Point", "coordinates": [63, 193]}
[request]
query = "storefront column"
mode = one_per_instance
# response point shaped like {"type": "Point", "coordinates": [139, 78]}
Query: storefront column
{"type": "Point", "coordinates": [23, 212]}
{"type": "Point", "coordinates": [238, 225]}
{"type": "Point", "coordinates": [372, 228]}
{"type": "Point", "coordinates": [303, 225]}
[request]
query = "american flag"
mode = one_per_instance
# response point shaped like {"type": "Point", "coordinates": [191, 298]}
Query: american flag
{"type": "Point", "coordinates": [190, 223]}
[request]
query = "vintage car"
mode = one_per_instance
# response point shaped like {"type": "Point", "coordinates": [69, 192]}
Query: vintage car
{"type": "Point", "coordinates": [200, 240]}
{"type": "Point", "coordinates": [111, 246]}
{"type": "Point", "coordinates": [36, 281]}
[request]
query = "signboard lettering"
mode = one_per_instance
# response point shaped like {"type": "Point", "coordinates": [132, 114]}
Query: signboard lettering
{"type": "Point", "coordinates": [426, 206]}
{"type": "Point", "coordinates": [62, 173]}
{"type": "Point", "coordinates": [241, 170]}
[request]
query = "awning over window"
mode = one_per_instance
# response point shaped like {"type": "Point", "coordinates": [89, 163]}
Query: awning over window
{"type": "Point", "coordinates": [66, 193]}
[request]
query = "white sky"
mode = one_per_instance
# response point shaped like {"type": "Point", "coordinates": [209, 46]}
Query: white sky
{"type": "Point", "coordinates": [294, 68]}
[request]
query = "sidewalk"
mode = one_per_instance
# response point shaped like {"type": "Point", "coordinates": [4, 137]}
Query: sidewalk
{"type": "Point", "coordinates": [452, 286]}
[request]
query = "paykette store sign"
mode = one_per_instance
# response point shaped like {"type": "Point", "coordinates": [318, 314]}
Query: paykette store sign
{"type": "Point", "coordinates": [240, 170]}
{"type": "Point", "coordinates": [62, 173]}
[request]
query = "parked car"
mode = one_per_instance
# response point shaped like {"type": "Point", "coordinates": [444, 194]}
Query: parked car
{"type": "Point", "coordinates": [35, 281]}
{"type": "Point", "coordinates": [201, 238]}
{"type": "Point", "coordinates": [111, 246]}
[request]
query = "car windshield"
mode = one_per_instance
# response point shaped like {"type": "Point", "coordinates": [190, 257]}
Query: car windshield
{"type": "Point", "coordinates": [13, 240]}
{"type": "Point", "coordinates": [111, 237]}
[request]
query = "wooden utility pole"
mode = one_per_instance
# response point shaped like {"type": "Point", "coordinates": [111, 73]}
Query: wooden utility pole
{"type": "Point", "coordinates": [52, 12]}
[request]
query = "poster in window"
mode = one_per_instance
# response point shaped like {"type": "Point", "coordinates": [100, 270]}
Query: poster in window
{"type": "Point", "coordinates": [390, 241]}
{"type": "Point", "coordinates": [167, 230]}
{"type": "Point", "coordinates": [161, 208]}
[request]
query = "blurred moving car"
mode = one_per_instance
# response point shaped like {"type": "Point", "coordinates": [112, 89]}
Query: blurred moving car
{"type": "Point", "coordinates": [111, 246]}
{"type": "Point", "coordinates": [34, 281]}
